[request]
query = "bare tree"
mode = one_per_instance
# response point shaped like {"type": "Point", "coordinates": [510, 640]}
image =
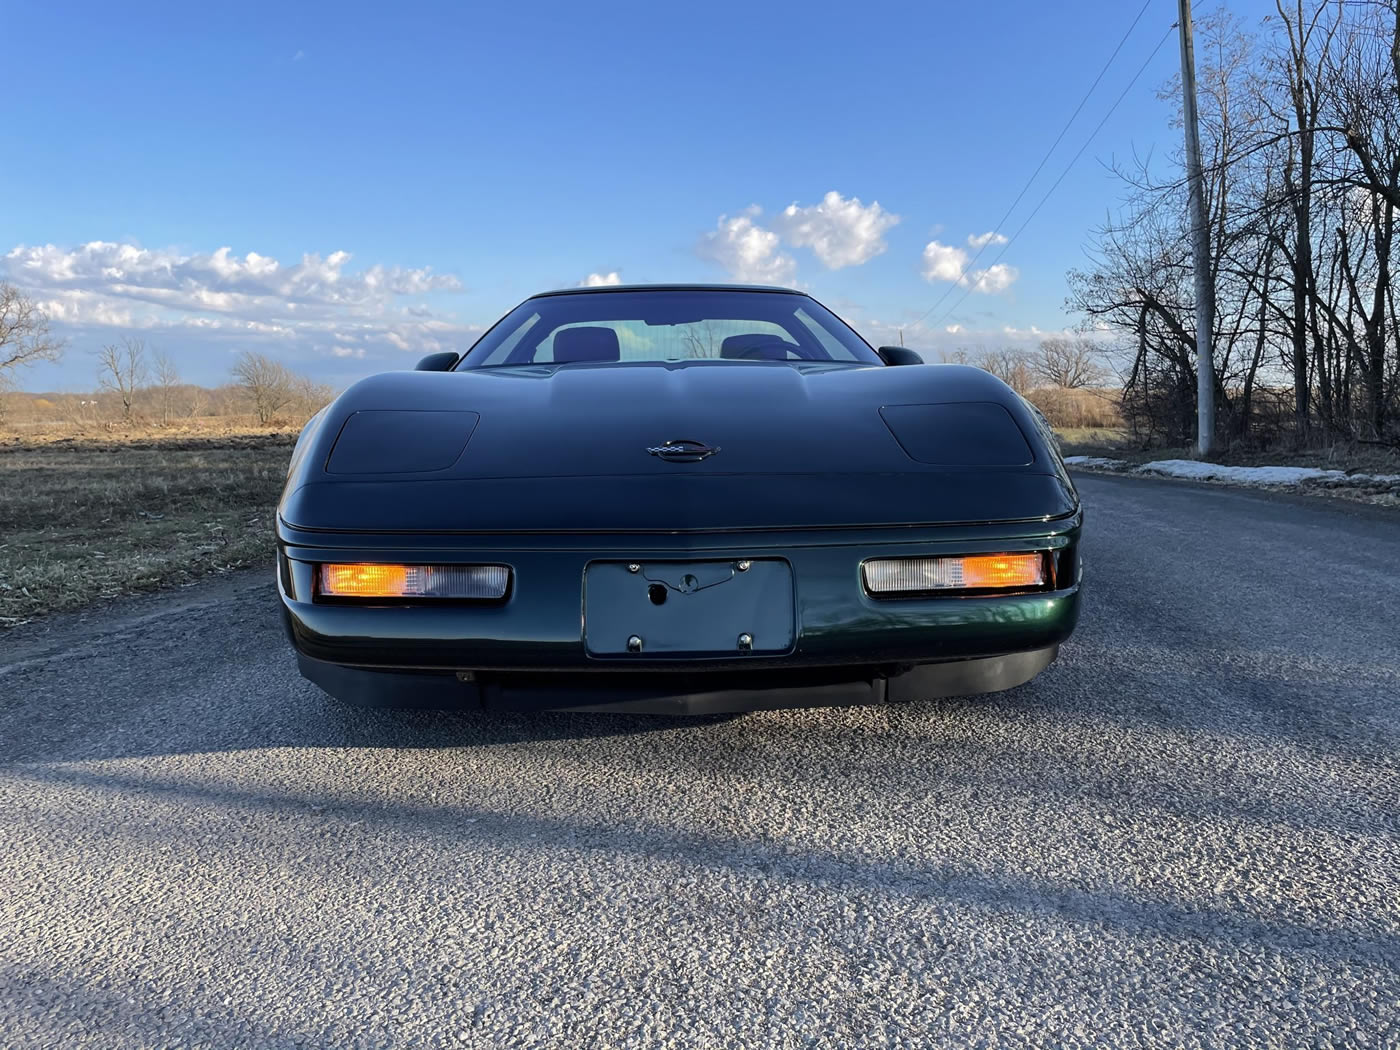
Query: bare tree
{"type": "Point", "coordinates": [1376, 36]}
{"type": "Point", "coordinates": [1068, 362]}
{"type": "Point", "coordinates": [700, 340]}
{"type": "Point", "coordinates": [121, 370]}
{"type": "Point", "coordinates": [269, 384]}
{"type": "Point", "coordinates": [312, 395]}
{"type": "Point", "coordinates": [1300, 58]}
{"type": "Point", "coordinates": [1010, 366]}
{"type": "Point", "coordinates": [167, 379]}
{"type": "Point", "coordinates": [1365, 99]}
{"type": "Point", "coordinates": [24, 334]}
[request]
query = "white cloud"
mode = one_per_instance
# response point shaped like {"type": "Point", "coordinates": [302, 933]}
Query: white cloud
{"type": "Point", "coordinates": [601, 280]}
{"type": "Point", "coordinates": [981, 240]}
{"type": "Point", "coordinates": [994, 279]}
{"type": "Point", "coordinates": [946, 262]}
{"type": "Point", "coordinates": [217, 281]}
{"type": "Point", "coordinates": [109, 285]}
{"type": "Point", "coordinates": [840, 231]}
{"type": "Point", "coordinates": [750, 253]}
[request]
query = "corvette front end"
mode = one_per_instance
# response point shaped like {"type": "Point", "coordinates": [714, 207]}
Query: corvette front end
{"type": "Point", "coordinates": [773, 518]}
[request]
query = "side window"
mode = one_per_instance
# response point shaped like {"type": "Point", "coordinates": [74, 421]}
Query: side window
{"type": "Point", "coordinates": [825, 339]}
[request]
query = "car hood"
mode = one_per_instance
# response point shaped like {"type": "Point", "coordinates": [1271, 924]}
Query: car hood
{"type": "Point", "coordinates": [545, 447]}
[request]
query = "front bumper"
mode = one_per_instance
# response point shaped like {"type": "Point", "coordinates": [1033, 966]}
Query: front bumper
{"type": "Point", "coordinates": [529, 651]}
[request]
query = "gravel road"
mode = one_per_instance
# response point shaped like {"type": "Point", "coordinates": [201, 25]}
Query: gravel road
{"type": "Point", "coordinates": [1185, 833]}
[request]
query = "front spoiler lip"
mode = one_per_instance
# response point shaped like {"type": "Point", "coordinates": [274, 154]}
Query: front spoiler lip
{"type": "Point", "coordinates": [674, 694]}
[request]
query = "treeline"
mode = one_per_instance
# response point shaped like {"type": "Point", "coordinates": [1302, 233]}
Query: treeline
{"type": "Point", "coordinates": [136, 387]}
{"type": "Point", "coordinates": [1300, 135]}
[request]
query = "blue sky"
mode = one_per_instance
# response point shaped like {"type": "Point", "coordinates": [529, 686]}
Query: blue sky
{"type": "Point", "coordinates": [388, 178]}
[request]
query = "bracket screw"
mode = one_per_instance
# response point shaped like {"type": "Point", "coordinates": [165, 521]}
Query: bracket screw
{"type": "Point", "coordinates": [744, 565]}
{"type": "Point", "coordinates": [633, 567]}
{"type": "Point", "coordinates": [745, 642]}
{"type": "Point", "coordinates": [634, 643]}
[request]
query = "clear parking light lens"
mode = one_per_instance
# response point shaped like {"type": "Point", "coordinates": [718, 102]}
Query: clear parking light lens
{"type": "Point", "coordinates": [378, 580]}
{"type": "Point", "coordinates": [975, 572]}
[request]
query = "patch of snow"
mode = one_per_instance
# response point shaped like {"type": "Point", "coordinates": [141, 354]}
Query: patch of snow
{"type": "Point", "coordinates": [1195, 470]}
{"type": "Point", "coordinates": [1094, 461]}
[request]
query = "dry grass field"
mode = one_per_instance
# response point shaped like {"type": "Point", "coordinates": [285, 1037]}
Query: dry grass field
{"type": "Point", "coordinates": [1076, 441]}
{"type": "Point", "coordinates": [85, 517]}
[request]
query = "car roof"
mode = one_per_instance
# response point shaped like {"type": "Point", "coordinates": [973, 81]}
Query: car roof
{"type": "Point", "coordinates": [669, 288]}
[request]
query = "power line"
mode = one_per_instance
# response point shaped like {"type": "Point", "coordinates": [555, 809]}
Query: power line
{"type": "Point", "coordinates": [1054, 185]}
{"type": "Point", "coordinates": [1043, 160]}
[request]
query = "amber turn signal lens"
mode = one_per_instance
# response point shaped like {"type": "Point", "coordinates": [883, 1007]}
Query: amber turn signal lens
{"type": "Point", "coordinates": [896, 577]}
{"type": "Point", "coordinates": [1003, 570]}
{"type": "Point", "coordinates": [364, 580]}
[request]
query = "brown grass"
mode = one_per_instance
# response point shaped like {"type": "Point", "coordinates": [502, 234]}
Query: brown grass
{"type": "Point", "coordinates": [85, 518]}
{"type": "Point", "coordinates": [1091, 408]}
{"type": "Point", "coordinates": [233, 430]}
{"type": "Point", "coordinates": [1104, 439]}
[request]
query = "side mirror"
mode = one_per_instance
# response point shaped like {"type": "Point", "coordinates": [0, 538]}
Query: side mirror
{"type": "Point", "coordinates": [442, 362]}
{"type": "Point", "coordinates": [899, 355]}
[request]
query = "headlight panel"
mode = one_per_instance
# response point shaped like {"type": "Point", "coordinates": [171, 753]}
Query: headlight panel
{"type": "Point", "coordinates": [961, 434]}
{"type": "Point", "coordinates": [400, 442]}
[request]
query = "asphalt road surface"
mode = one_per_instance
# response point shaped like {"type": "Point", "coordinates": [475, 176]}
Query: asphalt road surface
{"type": "Point", "coordinates": [1185, 833]}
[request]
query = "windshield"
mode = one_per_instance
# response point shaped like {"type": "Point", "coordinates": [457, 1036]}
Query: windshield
{"type": "Point", "coordinates": [668, 325]}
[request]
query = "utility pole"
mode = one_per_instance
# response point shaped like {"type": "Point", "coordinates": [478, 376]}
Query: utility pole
{"type": "Point", "coordinates": [1200, 244]}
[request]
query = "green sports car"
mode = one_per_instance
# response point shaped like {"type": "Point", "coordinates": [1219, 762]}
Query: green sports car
{"type": "Point", "coordinates": [680, 499]}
